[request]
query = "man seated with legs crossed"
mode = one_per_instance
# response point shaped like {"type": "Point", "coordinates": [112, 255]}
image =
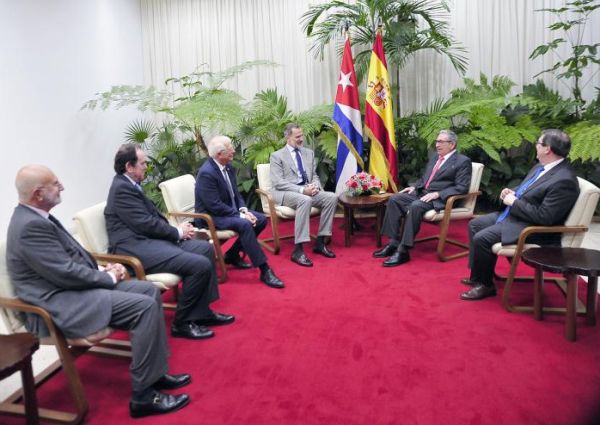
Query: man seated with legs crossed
{"type": "Point", "coordinates": [50, 269]}
{"type": "Point", "coordinates": [217, 194]}
{"type": "Point", "coordinates": [297, 185]}
{"type": "Point", "coordinates": [136, 227]}
{"type": "Point", "coordinates": [448, 173]}
{"type": "Point", "coordinates": [545, 198]}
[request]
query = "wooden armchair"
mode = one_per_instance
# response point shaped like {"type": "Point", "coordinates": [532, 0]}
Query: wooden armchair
{"type": "Point", "coordinates": [91, 231]}
{"type": "Point", "coordinates": [11, 313]}
{"type": "Point", "coordinates": [458, 207]}
{"type": "Point", "coordinates": [179, 197]}
{"type": "Point", "coordinates": [572, 236]}
{"type": "Point", "coordinates": [273, 211]}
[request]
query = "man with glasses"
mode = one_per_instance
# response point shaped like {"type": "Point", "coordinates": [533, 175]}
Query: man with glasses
{"type": "Point", "coordinates": [545, 198]}
{"type": "Point", "coordinates": [217, 194]}
{"type": "Point", "coordinates": [448, 173]}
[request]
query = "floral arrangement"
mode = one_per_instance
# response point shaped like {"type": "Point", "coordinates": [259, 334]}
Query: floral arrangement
{"type": "Point", "coordinates": [363, 184]}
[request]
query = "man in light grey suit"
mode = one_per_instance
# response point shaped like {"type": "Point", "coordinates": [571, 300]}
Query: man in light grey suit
{"type": "Point", "coordinates": [48, 268]}
{"type": "Point", "coordinates": [296, 185]}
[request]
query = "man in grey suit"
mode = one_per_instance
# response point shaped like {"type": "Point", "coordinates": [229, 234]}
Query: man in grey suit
{"type": "Point", "coordinates": [48, 268]}
{"type": "Point", "coordinates": [296, 185]}
{"type": "Point", "coordinates": [448, 173]}
{"type": "Point", "coordinates": [136, 227]}
{"type": "Point", "coordinates": [545, 198]}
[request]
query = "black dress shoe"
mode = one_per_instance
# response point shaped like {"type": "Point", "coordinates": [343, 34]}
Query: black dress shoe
{"type": "Point", "coordinates": [386, 251]}
{"type": "Point", "coordinates": [158, 403]}
{"type": "Point", "coordinates": [324, 251]}
{"type": "Point", "coordinates": [302, 260]}
{"type": "Point", "coordinates": [401, 256]}
{"type": "Point", "coordinates": [215, 319]}
{"type": "Point", "coordinates": [478, 292]}
{"type": "Point", "coordinates": [237, 262]}
{"type": "Point", "coordinates": [269, 278]}
{"type": "Point", "coordinates": [170, 382]}
{"type": "Point", "coordinates": [190, 330]}
{"type": "Point", "coordinates": [467, 281]}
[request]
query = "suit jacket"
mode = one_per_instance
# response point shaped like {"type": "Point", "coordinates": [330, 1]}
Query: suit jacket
{"type": "Point", "coordinates": [284, 172]}
{"type": "Point", "coordinates": [136, 227]}
{"type": "Point", "coordinates": [452, 178]}
{"type": "Point", "coordinates": [547, 202]}
{"type": "Point", "coordinates": [48, 268]}
{"type": "Point", "coordinates": [212, 194]}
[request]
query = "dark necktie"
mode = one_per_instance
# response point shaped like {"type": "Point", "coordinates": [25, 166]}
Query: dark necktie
{"type": "Point", "coordinates": [521, 189]}
{"type": "Point", "coordinates": [229, 188]}
{"type": "Point", "coordinates": [300, 166]}
{"type": "Point", "coordinates": [435, 170]}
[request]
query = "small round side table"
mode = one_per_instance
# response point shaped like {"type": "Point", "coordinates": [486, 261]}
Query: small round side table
{"type": "Point", "coordinates": [351, 203]}
{"type": "Point", "coordinates": [16, 353]}
{"type": "Point", "coordinates": [571, 262]}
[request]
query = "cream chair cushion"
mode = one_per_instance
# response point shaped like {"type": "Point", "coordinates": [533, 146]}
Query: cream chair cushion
{"type": "Point", "coordinates": [466, 209]}
{"type": "Point", "coordinates": [263, 173]}
{"type": "Point", "coordinates": [91, 231]}
{"type": "Point", "coordinates": [178, 194]}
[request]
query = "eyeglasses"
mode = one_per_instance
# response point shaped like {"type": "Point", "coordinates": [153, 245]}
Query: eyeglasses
{"type": "Point", "coordinates": [443, 141]}
{"type": "Point", "coordinates": [540, 143]}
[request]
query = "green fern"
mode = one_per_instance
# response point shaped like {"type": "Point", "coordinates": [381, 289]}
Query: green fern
{"type": "Point", "coordinates": [585, 138]}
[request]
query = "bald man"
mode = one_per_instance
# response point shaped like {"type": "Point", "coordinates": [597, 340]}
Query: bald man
{"type": "Point", "coordinates": [48, 268]}
{"type": "Point", "coordinates": [217, 194]}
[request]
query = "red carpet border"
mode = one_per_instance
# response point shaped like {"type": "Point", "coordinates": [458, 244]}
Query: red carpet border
{"type": "Point", "coordinates": [350, 342]}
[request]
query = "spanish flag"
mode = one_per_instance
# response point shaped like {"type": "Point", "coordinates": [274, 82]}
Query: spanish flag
{"type": "Point", "coordinates": [379, 120]}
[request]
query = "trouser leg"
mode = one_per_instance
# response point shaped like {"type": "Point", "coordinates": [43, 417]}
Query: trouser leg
{"type": "Point", "coordinates": [396, 209]}
{"type": "Point", "coordinates": [483, 260]}
{"type": "Point", "coordinates": [413, 219]}
{"type": "Point", "coordinates": [196, 265]}
{"type": "Point", "coordinates": [137, 307]}
{"type": "Point", "coordinates": [302, 204]}
{"type": "Point", "coordinates": [247, 239]}
{"type": "Point", "coordinates": [327, 202]}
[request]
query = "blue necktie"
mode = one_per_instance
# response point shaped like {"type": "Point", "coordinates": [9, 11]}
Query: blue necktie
{"type": "Point", "coordinates": [520, 192]}
{"type": "Point", "coordinates": [300, 166]}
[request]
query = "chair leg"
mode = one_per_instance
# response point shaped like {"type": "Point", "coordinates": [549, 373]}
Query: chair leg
{"type": "Point", "coordinates": [443, 239]}
{"type": "Point", "coordinates": [220, 261]}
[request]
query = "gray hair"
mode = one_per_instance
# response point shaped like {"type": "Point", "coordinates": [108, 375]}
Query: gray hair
{"type": "Point", "coordinates": [451, 135]}
{"type": "Point", "coordinates": [217, 145]}
{"type": "Point", "coordinates": [288, 129]}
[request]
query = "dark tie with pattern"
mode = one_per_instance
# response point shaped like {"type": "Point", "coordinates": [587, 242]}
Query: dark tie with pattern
{"type": "Point", "coordinates": [91, 261]}
{"type": "Point", "coordinates": [229, 188]}
{"type": "Point", "coordinates": [300, 166]}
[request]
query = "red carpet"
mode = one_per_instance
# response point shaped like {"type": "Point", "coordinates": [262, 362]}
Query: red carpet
{"type": "Point", "coordinates": [349, 342]}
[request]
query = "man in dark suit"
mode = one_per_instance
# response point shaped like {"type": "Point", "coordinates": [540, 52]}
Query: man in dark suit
{"type": "Point", "coordinates": [48, 268]}
{"type": "Point", "coordinates": [448, 173]}
{"type": "Point", "coordinates": [136, 227]}
{"type": "Point", "coordinates": [545, 198]}
{"type": "Point", "coordinates": [217, 194]}
{"type": "Point", "coordinates": [296, 185]}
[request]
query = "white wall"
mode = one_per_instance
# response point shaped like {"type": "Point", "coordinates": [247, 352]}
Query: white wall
{"type": "Point", "coordinates": [54, 55]}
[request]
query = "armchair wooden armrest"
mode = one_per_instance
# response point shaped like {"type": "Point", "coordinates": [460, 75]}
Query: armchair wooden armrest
{"type": "Point", "coordinates": [214, 238]}
{"type": "Point", "coordinates": [516, 257]}
{"type": "Point", "coordinates": [133, 262]}
{"type": "Point", "coordinates": [274, 224]}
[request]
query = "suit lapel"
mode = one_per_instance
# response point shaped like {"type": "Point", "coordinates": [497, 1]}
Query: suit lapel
{"type": "Point", "coordinates": [543, 178]}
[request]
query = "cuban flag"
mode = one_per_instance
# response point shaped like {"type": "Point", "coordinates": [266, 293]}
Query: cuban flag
{"type": "Point", "coordinates": [347, 123]}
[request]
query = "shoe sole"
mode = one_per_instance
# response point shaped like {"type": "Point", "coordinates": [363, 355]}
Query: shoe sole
{"type": "Point", "coordinates": [178, 335]}
{"type": "Point", "coordinates": [301, 264]}
{"type": "Point", "coordinates": [143, 415]}
{"type": "Point", "coordinates": [220, 323]}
